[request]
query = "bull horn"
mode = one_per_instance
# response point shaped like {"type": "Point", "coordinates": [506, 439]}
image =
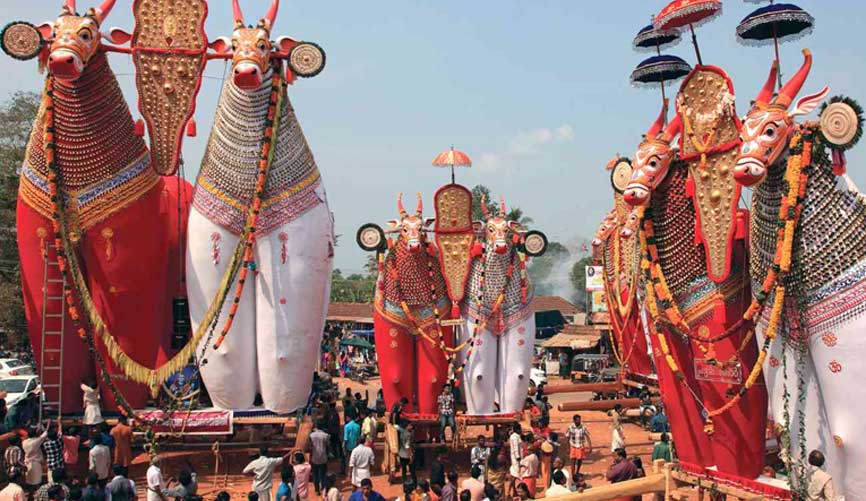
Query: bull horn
{"type": "Point", "coordinates": [767, 91]}
{"type": "Point", "coordinates": [502, 206]}
{"type": "Point", "coordinates": [484, 211]}
{"type": "Point", "coordinates": [656, 127]}
{"type": "Point", "coordinates": [793, 86]}
{"type": "Point", "coordinates": [400, 208]}
{"type": "Point", "coordinates": [419, 209]}
{"type": "Point", "coordinates": [671, 131]}
{"type": "Point", "coordinates": [271, 16]}
{"type": "Point", "coordinates": [237, 15]}
{"type": "Point", "coordinates": [103, 10]}
{"type": "Point", "coordinates": [69, 6]}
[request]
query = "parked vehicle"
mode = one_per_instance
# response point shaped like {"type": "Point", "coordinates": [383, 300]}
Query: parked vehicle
{"type": "Point", "coordinates": [15, 367]}
{"type": "Point", "coordinates": [537, 377]}
{"type": "Point", "coordinates": [18, 388]}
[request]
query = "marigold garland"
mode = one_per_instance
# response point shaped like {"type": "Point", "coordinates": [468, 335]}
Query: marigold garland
{"type": "Point", "coordinates": [656, 287]}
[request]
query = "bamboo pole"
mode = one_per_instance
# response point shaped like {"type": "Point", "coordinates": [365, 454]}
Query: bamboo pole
{"type": "Point", "coordinates": [650, 484]}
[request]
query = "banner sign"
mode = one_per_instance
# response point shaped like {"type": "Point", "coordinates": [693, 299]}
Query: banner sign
{"type": "Point", "coordinates": [594, 278]}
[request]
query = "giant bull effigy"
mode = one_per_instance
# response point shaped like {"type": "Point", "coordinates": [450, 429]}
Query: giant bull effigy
{"type": "Point", "coordinates": [616, 247]}
{"type": "Point", "coordinates": [470, 278]}
{"type": "Point", "coordinates": [90, 200]}
{"type": "Point", "coordinates": [259, 188]}
{"type": "Point", "coordinates": [807, 263]}
{"type": "Point", "coordinates": [499, 328]}
{"type": "Point", "coordinates": [696, 279]}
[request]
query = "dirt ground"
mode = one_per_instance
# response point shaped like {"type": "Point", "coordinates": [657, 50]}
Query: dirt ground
{"type": "Point", "coordinates": [232, 480]}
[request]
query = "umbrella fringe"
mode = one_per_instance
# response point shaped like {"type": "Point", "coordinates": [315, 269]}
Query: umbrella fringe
{"type": "Point", "coordinates": [686, 11]}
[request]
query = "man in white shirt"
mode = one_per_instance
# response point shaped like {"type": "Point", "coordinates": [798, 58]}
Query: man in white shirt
{"type": "Point", "coordinates": [515, 446]}
{"type": "Point", "coordinates": [155, 483]}
{"type": "Point", "coordinates": [100, 459]}
{"type": "Point", "coordinates": [558, 488]}
{"type": "Point", "coordinates": [369, 427]}
{"type": "Point", "coordinates": [559, 466]}
{"type": "Point", "coordinates": [820, 483]}
{"type": "Point", "coordinates": [361, 462]}
{"type": "Point", "coordinates": [263, 470]}
{"type": "Point", "coordinates": [479, 455]}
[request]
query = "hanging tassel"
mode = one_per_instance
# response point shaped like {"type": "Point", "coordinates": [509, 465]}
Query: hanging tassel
{"type": "Point", "coordinates": [477, 249]}
{"type": "Point", "coordinates": [290, 77]}
{"type": "Point", "coordinates": [107, 233]}
{"type": "Point", "coordinates": [42, 233]}
{"type": "Point", "coordinates": [215, 240]}
{"type": "Point", "coordinates": [455, 310]}
{"type": "Point", "coordinates": [839, 162]}
{"type": "Point", "coordinates": [283, 239]}
{"type": "Point", "coordinates": [191, 129]}
{"type": "Point", "coordinates": [139, 128]}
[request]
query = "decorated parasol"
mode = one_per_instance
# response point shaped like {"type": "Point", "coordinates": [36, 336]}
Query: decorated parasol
{"type": "Point", "coordinates": [450, 158]}
{"type": "Point", "coordinates": [777, 22]}
{"type": "Point", "coordinates": [658, 70]}
{"type": "Point", "coordinates": [651, 39]}
{"type": "Point", "coordinates": [681, 13]}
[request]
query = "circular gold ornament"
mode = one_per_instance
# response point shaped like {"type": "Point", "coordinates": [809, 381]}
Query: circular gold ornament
{"type": "Point", "coordinates": [620, 175]}
{"type": "Point", "coordinates": [535, 243]}
{"type": "Point", "coordinates": [306, 59]}
{"type": "Point", "coordinates": [21, 40]}
{"type": "Point", "coordinates": [371, 237]}
{"type": "Point", "coordinates": [839, 123]}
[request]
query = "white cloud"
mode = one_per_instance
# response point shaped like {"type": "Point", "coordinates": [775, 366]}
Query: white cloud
{"type": "Point", "coordinates": [526, 143]}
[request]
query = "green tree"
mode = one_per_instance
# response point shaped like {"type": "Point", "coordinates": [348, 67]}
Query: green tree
{"type": "Point", "coordinates": [16, 119]}
{"type": "Point", "coordinates": [478, 192]}
{"type": "Point", "coordinates": [354, 288]}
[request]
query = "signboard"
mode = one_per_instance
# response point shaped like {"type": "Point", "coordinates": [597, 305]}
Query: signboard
{"type": "Point", "coordinates": [594, 278]}
{"type": "Point", "coordinates": [718, 372]}
{"type": "Point", "coordinates": [599, 304]}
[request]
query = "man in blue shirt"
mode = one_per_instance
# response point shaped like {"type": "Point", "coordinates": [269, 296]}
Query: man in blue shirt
{"type": "Point", "coordinates": [659, 422]}
{"type": "Point", "coordinates": [366, 492]}
{"type": "Point", "coordinates": [351, 435]}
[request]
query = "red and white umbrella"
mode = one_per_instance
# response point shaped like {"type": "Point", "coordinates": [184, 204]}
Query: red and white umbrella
{"type": "Point", "coordinates": [681, 13]}
{"type": "Point", "coordinates": [450, 158]}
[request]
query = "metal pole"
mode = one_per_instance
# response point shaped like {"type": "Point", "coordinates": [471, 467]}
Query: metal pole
{"type": "Point", "coordinates": [664, 99]}
{"type": "Point", "coordinates": [778, 61]}
{"type": "Point", "coordinates": [695, 43]}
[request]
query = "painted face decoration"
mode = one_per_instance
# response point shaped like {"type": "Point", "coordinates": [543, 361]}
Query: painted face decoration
{"type": "Point", "coordinates": [410, 227]}
{"type": "Point", "coordinates": [73, 39]}
{"type": "Point", "coordinates": [497, 228]}
{"type": "Point", "coordinates": [652, 161]}
{"type": "Point", "coordinates": [768, 126]}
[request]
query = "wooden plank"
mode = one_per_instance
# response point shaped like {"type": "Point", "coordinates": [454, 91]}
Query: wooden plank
{"type": "Point", "coordinates": [602, 405]}
{"type": "Point", "coordinates": [650, 484]}
{"type": "Point", "coordinates": [609, 387]}
{"type": "Point", "coordinates": [727, 490]}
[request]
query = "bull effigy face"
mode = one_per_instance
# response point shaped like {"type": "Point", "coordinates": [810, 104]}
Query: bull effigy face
{"type": "Point", "coordinates": [411, 227]}
{"type": "Point", "coordinates": [496, 228]}
{"type": "Point", "coordinates": [652, 160]}
{"type": "Point", "coordinates": [768, 125]}
{"type": "Point", "coordinates": [73, 40]}
{"type": "Point", "coordinates": [251, 55]}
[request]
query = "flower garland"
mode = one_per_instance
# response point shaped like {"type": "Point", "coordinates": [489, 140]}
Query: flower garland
{"type": "Point", "coordinates": [623, 311]}
{"type": "Point", "coordinates": [272, 126]}
{"type": "Point", "coordinates": [789, 213]}
{"type": "Point", "coordinates": [67, 262]}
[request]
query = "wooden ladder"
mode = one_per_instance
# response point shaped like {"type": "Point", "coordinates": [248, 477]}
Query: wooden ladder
{"type": "Point", "coordinates": [51, 352]}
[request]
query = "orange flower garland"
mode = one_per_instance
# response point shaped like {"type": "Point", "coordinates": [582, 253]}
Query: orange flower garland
{"type": "Point", "coordinates": [656, 287]}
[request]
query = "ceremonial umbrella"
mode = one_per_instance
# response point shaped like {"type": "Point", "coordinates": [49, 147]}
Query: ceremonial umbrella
{"type": "Point", "coordinates": [649, 38]}
{"type": "Point", "coordinates": [777, 22]}
{"type": "Point", "coordinates": [681, 13]}
{"type": "Point", "coordinates": [357, 341]}
{"type": "Point", "coordinates": [657, 70]}
{"type": "Point", "coordinates": [450, 158]}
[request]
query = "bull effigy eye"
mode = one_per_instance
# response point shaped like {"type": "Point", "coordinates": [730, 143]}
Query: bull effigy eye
{"type": "Point", "coordinates": [262, 46]}
{"type": "Point", "coordinates": [85, 34]}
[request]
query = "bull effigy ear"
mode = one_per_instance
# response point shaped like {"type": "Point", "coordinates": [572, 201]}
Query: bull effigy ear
{"type": "Point", "coordinates": [221, 45]}
{"type": "Point", "coordinates": [117, 36]}
{"type": "Point", "coordinates": [809, 102]}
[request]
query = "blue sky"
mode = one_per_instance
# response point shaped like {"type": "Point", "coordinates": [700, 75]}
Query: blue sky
{"type": "Point", "coordinates": [535, 91]}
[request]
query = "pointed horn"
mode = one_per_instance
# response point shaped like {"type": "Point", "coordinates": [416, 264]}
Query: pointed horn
{"type": "Point", "coordinates": [400, 207]}
{"type": "Point", "coordinates": [674, 127]}
{"type": "Point", "coordinates": [103, 10]}
{"type": "Point", "coordinates": [657, 125]}
{"type": "Point", "coordinates": [237, 15]}
{"type": "Point", "coordinates": [419, 209]}
{"type": "Point", "coordinates": [271, 16]}
{"type": "Point", "coordinates": [501, 205]}
{"type": "Point", "coordinates": [769, 86]}
{"type": "Point", "coordinates": [69, 5]}
{"type": "Point", "coordinates": [484, 210]}
{"type": "Point", "coordinates": [792, 88]}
